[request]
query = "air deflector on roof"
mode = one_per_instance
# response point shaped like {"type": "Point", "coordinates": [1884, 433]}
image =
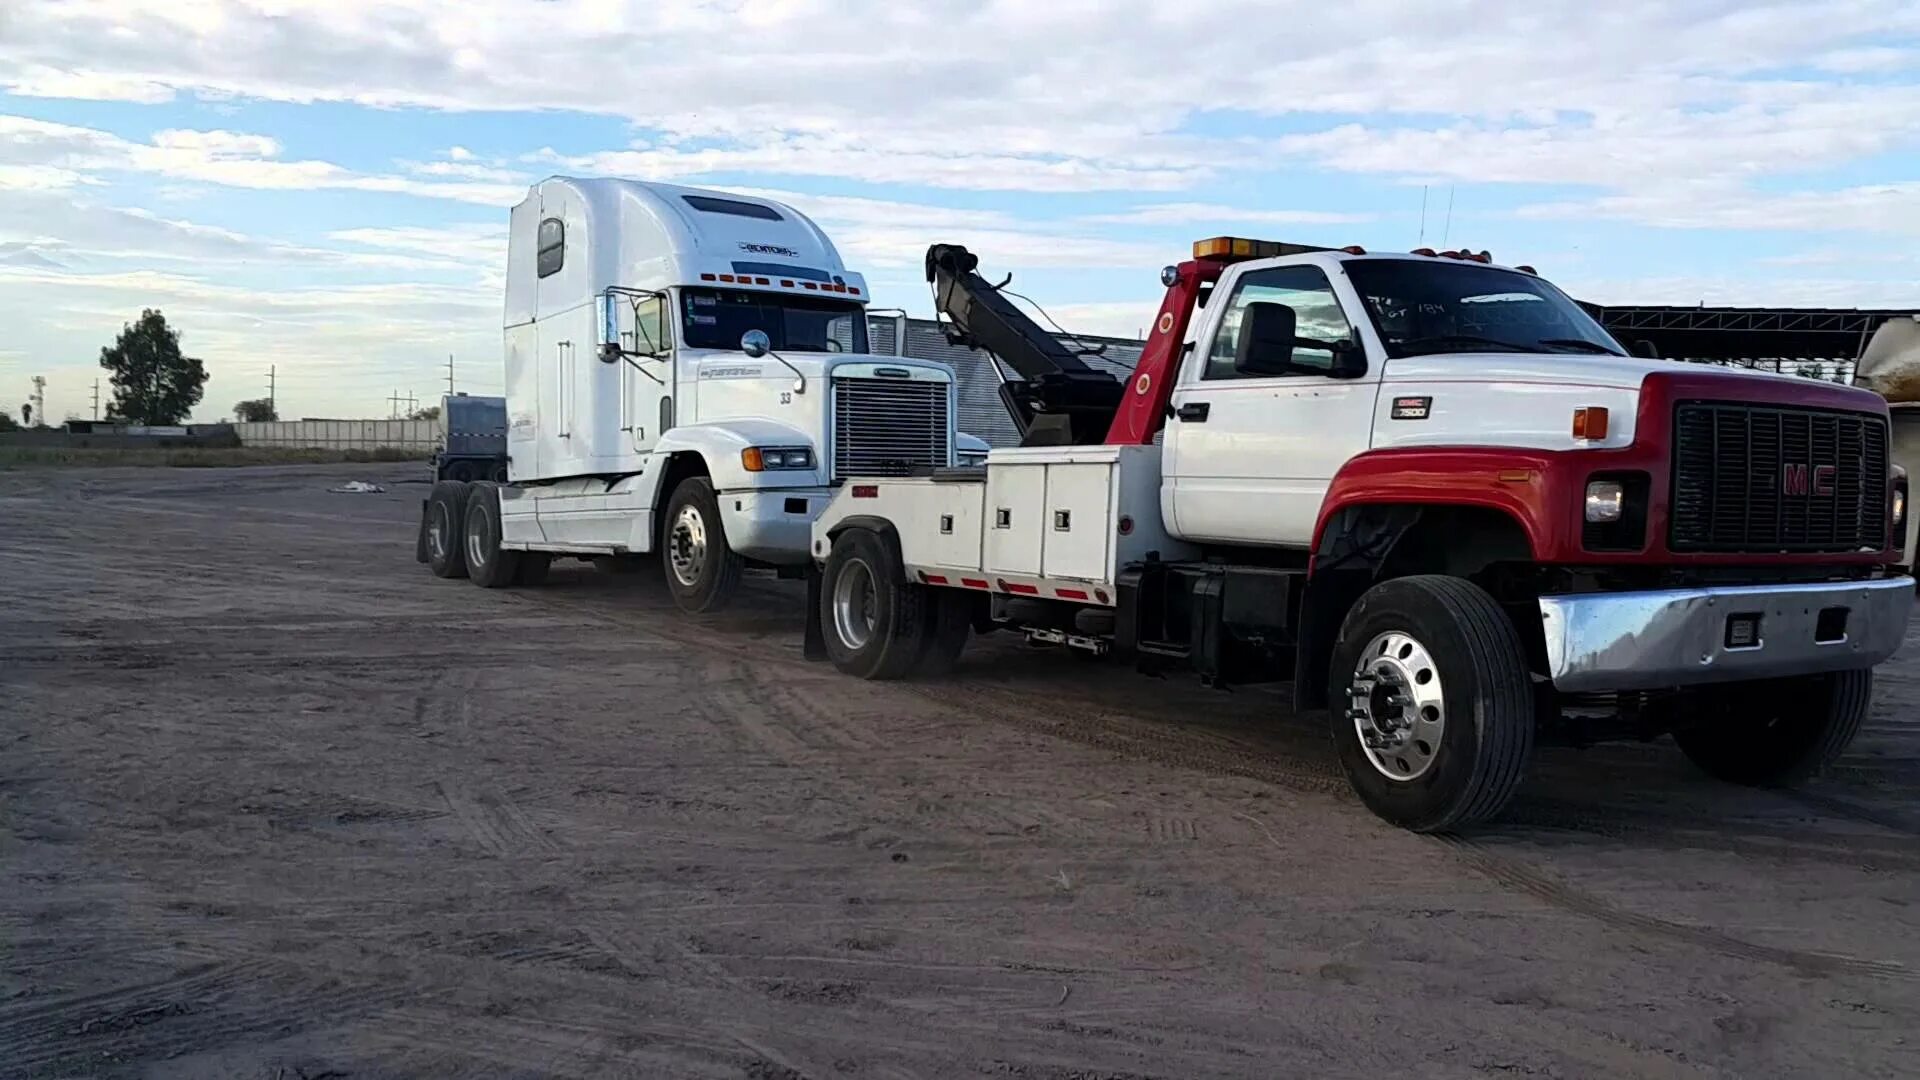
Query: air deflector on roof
{"type": "Point", "coordinates": [709, 204]}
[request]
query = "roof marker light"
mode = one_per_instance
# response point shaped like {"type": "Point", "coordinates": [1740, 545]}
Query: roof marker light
{"type": "Point", "coordinates": [707, 277]}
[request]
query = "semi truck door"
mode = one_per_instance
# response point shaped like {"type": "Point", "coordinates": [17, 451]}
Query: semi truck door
{"type": "Point", "coordinates": [1248, 458]}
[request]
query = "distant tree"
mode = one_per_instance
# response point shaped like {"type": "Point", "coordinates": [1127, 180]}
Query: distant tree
{"type": "Point", "coordinates": [253, 412]}
{"type": "Point", "coordinates": [153, 381]}
{"type": "Point", "coordinates": [431, 412]}
{"type": "Point", "coordinates": [7, 422]}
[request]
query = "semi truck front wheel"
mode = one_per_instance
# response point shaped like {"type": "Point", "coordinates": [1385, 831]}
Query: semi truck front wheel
{"type": "Point", "coordinates": [703, 571]}
{"type": "Point", "coordinates": [1433, 709]}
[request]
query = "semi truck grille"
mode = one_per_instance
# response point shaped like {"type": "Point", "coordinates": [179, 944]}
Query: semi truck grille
{"type": "Point", "coordinates": [1755, 479]}
{"type": "Point", "coordinates": [888, 427]}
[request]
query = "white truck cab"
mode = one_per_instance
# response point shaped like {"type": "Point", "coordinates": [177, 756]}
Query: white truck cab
{"type": "Point", "coordinates": [687, 371]}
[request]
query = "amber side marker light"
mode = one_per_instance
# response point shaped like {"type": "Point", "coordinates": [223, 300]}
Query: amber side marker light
{"type": "Point", "coordinates": [1590, 423]}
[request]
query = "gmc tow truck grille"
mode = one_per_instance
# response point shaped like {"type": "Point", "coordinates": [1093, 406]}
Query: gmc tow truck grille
{"type": "Point", "coordinates": [1756, 479]}
{"type": "Point", "coordinates": [888, 427]}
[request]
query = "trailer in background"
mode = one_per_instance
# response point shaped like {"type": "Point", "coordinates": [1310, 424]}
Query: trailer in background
{"type": "Point", "coordinates": [475, 443]}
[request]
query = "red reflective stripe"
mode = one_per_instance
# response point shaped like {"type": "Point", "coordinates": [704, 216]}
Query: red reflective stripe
{"type": "Point", "coordinates": [1028, 590]}
{"type": "Point", "coordinates": [1071, 594]}
{"type": "Point", "coordinates": [933, 579]}
{"type": "Point", "coordinates": [974, 583]}
{"type": "Point", "coordinates": [866, 491]}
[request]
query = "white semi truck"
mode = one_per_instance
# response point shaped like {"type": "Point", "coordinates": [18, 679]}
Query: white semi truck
{"type": "Point", "coordinates": [1432, 492]}
{"type": "Point", "coordinates": [687, 373]}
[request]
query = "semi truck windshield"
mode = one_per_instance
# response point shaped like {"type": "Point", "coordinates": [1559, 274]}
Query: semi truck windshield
{"type": "Point", "coordinates": [1421, 306]}
{"type": "Point", "coordinates": [715, 319]}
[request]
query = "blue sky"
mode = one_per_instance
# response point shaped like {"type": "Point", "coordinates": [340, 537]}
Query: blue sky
{"type": "Point", "coordinates": [321, 188]}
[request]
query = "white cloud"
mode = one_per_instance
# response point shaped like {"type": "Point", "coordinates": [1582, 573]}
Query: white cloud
{"type": "Point", "coordinates": [1190, 213]}
{"type": "Point", "coordinates": [1880, 209]}
{"type": "Point", "coordinates": [63, 155]}
{"type": "Point", "coordinates": [1009, 94]}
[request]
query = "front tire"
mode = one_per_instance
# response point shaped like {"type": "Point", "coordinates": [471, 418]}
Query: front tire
{"type": "Point", "coordinates": [445, 527]}
{"type": "Point", "coordinates": [875, 623]}
{"type": "Point", "coordinates": [1433, 710]}
{"type": "Point", "coordinates": [703, 571]}
{"type": "Point", "coordinates": [1776, 732]}
{"type": "Point", "coordinates": [488, 566]}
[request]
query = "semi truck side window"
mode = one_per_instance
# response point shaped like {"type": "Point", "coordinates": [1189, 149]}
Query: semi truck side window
{"type": "Point", "coordinates": [1303, 288]}
{"type": "Point", "coordinates": [552, 247]}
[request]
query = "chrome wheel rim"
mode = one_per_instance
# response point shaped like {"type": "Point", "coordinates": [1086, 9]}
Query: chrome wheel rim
{"type": "Point", "coordinates": [1398, 706]}
{"type": "Point", "coordinates": [437, 532]}
{"type": "Point", "coordinates": [687, 546]}
{"type": "Point", "coordinates": [476, 544]}
{"type": "Point", "coordinates": [854, 604]}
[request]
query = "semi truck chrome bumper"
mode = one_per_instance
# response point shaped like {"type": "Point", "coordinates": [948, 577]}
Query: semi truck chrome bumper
{"type": "Point", "coordinates": [1681, 637]}
{"type": "Point", "coordinates": [773, 525]}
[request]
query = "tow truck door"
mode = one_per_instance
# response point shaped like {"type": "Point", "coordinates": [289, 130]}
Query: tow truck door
{"type": "Point", "coordinates": [1248, 459]}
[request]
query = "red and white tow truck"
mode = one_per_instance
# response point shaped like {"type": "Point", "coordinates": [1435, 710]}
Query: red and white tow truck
{"type": "Point", "coordinates": [1431, 491]}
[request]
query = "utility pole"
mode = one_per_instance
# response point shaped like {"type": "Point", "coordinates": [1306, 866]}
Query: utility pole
{"type": "Point", "coordinates": [273, 406]}
{"type": "Point", "coordinates": [96, 399]}
{"type": "Point", "coordinates": [449, 374]}
{"type": "Point", "coordinates": [393, 406]}
{"type": "Point", "coordinates": [40, 397]}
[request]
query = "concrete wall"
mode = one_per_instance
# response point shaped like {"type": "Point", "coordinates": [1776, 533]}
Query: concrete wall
{"type": "Point", "coordinates": [422, 435]}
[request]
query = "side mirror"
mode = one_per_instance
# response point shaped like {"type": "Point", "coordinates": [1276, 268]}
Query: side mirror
{"type": "Point", "coordinates": [1266, 339]}
{"type": "Point", "coordinates": [1645, 349]}
{"type": "Point", "coordinates": [756, 343]}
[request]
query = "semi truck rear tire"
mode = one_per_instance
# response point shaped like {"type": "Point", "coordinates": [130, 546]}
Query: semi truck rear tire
{"type": "Point", "coordinates": [1773, 732]}
{"type": "Point", "coordinates": [446, 518]}
{"type": "Point", "coordinates": [703, 571]}
{"type": "Point", "coordinates": [488, 566]}
{"type": "Point", "coordinates": [498, 474]}
{"type": "Point", "coordinates": [1432, 702]}
{"type": "Point", "coordinates": [463, 472]}
{"type": "Point", "coordinates": [875, 622]}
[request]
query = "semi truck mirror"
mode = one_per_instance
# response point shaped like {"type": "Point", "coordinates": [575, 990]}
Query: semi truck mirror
{"type": "Point", "coordinates": [1646, 349]}
{"type": "Point", "coordinates": [1266, 339]}
{"type": "Point", "coordinates": [756, 343]}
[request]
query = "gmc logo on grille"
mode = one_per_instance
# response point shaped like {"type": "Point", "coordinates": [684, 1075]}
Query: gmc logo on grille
{"type": "Point", "coordinates": [1807, 479]}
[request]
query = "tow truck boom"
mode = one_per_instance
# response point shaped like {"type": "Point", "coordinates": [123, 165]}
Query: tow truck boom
{"type": "Point", "coordinates": [1062, 401]}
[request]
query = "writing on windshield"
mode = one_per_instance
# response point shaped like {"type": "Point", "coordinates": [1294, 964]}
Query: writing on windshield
{"type": "Point", "coordinates": [716, 318]}
{"type": "Point", "coordinates": [1422, 306]}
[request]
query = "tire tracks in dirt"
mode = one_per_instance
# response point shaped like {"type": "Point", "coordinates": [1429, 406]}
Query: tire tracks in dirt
{"type": "Point", "coordinates": [197, 1010]}
{"type": "Point", "coordinates": [1514, 876]}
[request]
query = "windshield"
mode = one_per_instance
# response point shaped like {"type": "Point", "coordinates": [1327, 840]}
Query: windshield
{"type": "Point", "coordinates": [1422, 306]}
{"type": "Point", "coordinates": [715, 319]}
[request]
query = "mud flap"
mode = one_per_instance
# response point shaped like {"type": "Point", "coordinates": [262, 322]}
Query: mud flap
{"type": "Point", "coordinates": [814, 646]}
{"type": "Point", "coordinates": [420, 538]}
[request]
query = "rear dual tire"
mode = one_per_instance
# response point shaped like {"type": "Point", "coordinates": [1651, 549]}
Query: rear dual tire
{"type": "Point", "coordinates": [877, 625]}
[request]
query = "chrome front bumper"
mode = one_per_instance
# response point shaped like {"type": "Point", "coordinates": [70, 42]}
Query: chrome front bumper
{"type": "Point", "coordinates": [1679, 637]}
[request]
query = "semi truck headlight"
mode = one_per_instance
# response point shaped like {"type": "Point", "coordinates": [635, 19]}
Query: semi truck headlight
{"type": "Point", "coordinates": [772, 458]}
{"type": "Point", "coordinates": [1900, 511]}
{"type": "Point", "coordinates": [1606, 501]}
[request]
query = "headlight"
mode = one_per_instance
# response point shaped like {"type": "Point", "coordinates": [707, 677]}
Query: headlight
{"type": "Point", "coordinates": [1900, 510]}
{"type": "Point", "coordinates": [768, 458]}
{"type": "Point", "coordinates": [1606, 501]}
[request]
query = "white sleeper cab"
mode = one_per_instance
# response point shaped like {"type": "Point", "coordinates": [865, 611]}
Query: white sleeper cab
{"type": "Point", "coordinates": [687, 373]}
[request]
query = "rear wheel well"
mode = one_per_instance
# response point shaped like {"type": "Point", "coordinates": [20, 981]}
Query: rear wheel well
{"type": "Point", "coordinates": [1364, 545]}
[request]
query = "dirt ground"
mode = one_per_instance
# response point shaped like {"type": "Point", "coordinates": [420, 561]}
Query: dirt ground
{"type": "Point", "coordinates": [280, 804]}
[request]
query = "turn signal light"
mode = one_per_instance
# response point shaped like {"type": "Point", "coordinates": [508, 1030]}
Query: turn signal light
{"type": "Point", "coordinates": [1590, 423]}
{"type": "Point", "coordinates": [752, 460]}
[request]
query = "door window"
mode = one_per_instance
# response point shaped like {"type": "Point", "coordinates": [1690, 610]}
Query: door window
{"type": "Point", "coordinates": [1307, 291]}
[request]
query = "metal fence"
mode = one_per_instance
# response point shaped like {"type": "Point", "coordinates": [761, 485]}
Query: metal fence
{"type": "Point", "coordinates": [422, 435]}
